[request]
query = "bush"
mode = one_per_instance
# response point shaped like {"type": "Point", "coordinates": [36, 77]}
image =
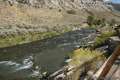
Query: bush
{"type": "Point", "coordinates": [112, 22]}
{"type": "Point", "coordinates": [59, 10]}
{"type": "Point", "coordinates": [103, 22]}
{"type": "Point", "coordinates": [90, 20]}
{"type": "Point", "coordinates": [50, 8]}
{"type": "Point", "coordinates": [71, 11]}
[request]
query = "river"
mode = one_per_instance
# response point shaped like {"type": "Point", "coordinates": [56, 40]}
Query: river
{"type": "Point", "coordinates": [21, 62]}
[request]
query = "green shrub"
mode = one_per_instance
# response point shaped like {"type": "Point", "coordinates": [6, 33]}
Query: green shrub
{"type": "Point", "coordinates": [93, 21]}
{"type": "Point", "coordinates": [90, 20]}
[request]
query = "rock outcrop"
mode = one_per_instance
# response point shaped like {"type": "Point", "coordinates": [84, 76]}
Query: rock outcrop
{"type": "Point", "coordinates": [63, 4]}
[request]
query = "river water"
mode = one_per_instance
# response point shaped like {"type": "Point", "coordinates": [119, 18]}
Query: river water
{"type": "Point", "coordinates": [27, 60]}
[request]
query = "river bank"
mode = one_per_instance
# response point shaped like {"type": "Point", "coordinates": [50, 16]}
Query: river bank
{"type": "Point", "coordinates": [25, 35]}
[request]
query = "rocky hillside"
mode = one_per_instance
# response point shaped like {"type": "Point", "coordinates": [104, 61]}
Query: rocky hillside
{"type": "Point", "coordinates": [51, 12]}
{"type": "Point", "coordinates": [62, 4]}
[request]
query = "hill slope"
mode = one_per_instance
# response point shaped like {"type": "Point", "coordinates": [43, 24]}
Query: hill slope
{"type": "Point", "coordinates": [51, 11]}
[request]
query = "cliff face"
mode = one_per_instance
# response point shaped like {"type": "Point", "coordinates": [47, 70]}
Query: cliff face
{"type": "Point", "coordinates": [62, 4]}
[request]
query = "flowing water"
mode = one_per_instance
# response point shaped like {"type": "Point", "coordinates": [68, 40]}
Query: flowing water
{"type": "Point", "coordinates": [23, 61]}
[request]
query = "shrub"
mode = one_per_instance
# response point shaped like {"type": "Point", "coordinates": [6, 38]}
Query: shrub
{"type": "Point", "coordinates": [59, 10]}
{"type": "Point", "coordinates": [90, 20]}
{"type": "Point", "coordinates": [112, 22]}
{"type": "Point", "coordinates": [103, 22]}
{"type": "Point", "coordinates": [71, 11]}
{"type": "Point", "coordinates": [50, 8]}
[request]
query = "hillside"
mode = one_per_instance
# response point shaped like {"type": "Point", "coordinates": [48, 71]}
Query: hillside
{"type": "Point", "coordinates": [51, 12]}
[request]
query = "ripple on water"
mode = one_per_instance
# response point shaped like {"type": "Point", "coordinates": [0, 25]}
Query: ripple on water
{"type": "Point", "coordinates": [10, 68]}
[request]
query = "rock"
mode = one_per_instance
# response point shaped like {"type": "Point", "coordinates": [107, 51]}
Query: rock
{"type": "Point", "coordinates": [63, 4]}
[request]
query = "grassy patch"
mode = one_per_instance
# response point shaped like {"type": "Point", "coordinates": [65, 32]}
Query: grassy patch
{"type": "Point", "coordinates": [80, 56]}
{"type": "Point", "coordinates": [25, 38]}
{"type": "Point", "coordinates": [20, 37]}
{"type": "Point", "coordinates": [94, 21]}
{"type": "Point", "coordinates": [102, 38]}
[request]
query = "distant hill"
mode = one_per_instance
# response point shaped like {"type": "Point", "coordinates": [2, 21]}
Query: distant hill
{"type": "Point", "coordinates": [116, 6]}
{"type": "Point", "coordinates": [113, 5]}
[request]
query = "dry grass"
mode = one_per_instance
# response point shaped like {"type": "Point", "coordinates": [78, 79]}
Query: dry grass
{"type": "Point", "coordinates": [43, 16]}
{"type": "Point", "coordinates": [100, 40]}
{"type": "Point", "coordinates": [81, 56]}
{"type": "Point", "coordinates": [28, 15]}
